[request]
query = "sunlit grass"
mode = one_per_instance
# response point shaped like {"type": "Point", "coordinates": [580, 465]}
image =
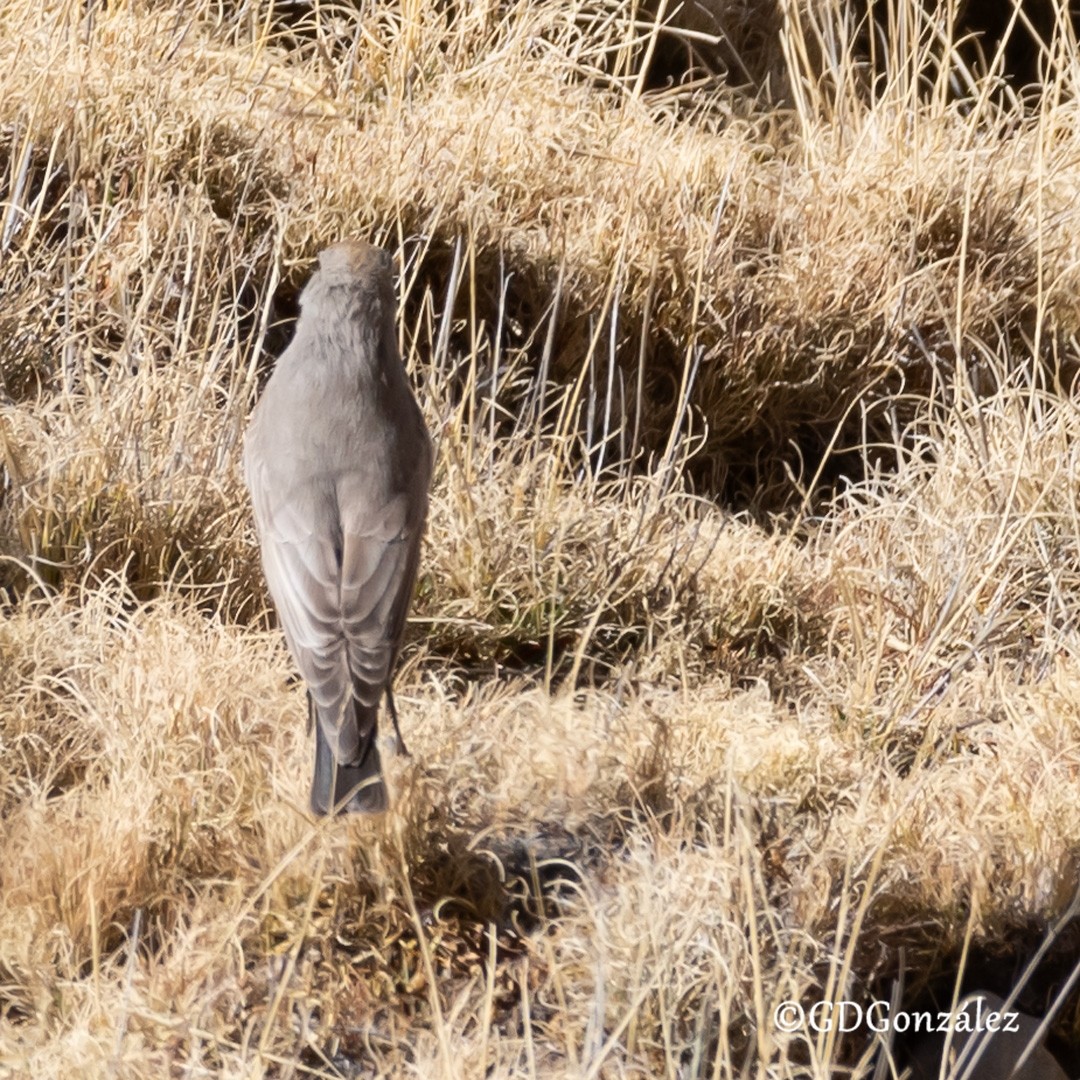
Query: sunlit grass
{"type": "Point", "coordinates": [743, 664]}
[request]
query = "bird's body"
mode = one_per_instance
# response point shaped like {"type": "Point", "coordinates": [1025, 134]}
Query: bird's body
{"type": "Point", "coordinates": [338, 462]}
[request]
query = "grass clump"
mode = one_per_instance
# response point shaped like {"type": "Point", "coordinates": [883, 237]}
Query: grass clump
{"type": "Point", "coordinates": [743, 655]}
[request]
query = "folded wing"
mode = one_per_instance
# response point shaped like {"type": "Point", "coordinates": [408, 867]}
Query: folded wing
{"type": "Point", "coordinates": [341, 573]}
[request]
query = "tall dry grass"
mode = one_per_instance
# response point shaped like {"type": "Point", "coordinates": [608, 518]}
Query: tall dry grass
{"type": "Point", "coordinates": [743, 666]}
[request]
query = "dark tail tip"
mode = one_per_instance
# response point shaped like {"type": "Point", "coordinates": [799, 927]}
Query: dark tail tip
{"type": "Point", "coordinates": [346, 789]}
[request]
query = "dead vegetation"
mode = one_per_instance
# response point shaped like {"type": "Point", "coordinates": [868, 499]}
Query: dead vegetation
{"type": "Point", "coordinates": [744, 663]}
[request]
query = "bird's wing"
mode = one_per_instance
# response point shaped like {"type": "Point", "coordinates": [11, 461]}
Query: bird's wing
{"type": "Point", "coordinates": [341, 571]}
{"type": "Point", "coordinates": [380, 548]}
{"type": "Point", "coordinates": [297, 537]}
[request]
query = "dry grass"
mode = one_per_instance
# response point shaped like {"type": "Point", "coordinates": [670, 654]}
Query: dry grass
{"type": "Point", "coordinates": [744, 664]}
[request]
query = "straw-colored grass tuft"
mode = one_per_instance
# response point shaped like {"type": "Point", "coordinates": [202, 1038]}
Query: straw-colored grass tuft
{"type": "Point", "coordinates": [743, 662]}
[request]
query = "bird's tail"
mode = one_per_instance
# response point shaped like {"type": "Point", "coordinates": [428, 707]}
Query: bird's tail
{"type": "Point", "coordinates": [354, 788]}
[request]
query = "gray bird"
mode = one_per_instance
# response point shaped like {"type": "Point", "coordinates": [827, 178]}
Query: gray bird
{"type": "Point", "coordinates": [338, 463]}
{"type": "Point", "coordinates": [988, 1046]}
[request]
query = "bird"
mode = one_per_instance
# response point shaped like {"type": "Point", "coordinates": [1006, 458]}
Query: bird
{"type": "Point", "coordinates": [993, 1043]}
{"type": "Point", "coordinates": [338, 461]}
